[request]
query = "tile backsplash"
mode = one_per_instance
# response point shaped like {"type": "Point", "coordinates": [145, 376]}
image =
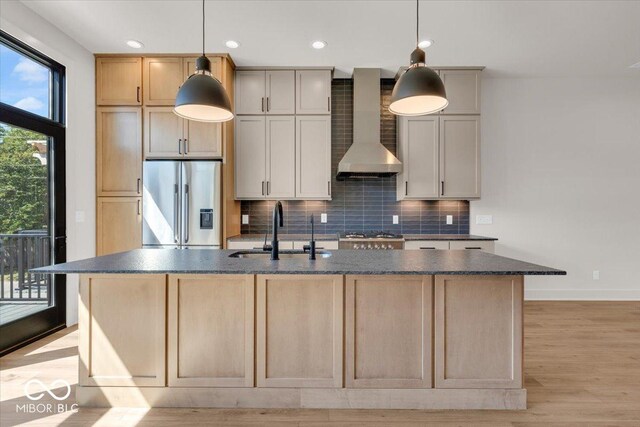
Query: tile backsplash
{"type": "Point", "coordinates": [360, 204]}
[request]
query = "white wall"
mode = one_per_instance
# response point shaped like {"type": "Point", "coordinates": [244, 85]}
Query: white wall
{"type": "Point", "coordinates": [24, 24]}
{"type": "Point", "coordinates": [561, 177]}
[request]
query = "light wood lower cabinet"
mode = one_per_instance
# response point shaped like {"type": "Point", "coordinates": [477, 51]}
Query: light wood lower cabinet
{"type": "Point", "coordinates": [388, 331]}
{"type": "Point", "coordinates": [299, 321]}
{"type": "Point", "coordinates": [478, 332]}
{"type": "Point", "coordinates": [122, 330]}
{"type": "Point", "coordinates": [119, 224]}
{"type": "Point", "coordinates": [482, 245]}
{"type": "Point", "coordinates": [211, 332]}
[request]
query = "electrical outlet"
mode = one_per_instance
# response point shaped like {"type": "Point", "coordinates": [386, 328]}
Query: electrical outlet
{"type": "Point", "coordinates": [484, 219]}
{"type": "Point", "coordinates": [79, 216]}
{"type": "Point", "coordinates": [245, 219]}
{"type": "Point", "coordinates": [449, 219]}
{"type": "Point", "coordinates": [323, 218]}
{"type": "Point", "coordinates": [396, 219]}
{"type": "Point", "coordinates": [596, 274]}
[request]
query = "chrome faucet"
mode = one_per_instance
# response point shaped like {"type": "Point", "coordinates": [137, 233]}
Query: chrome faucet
{"type": "Point", "coordinates": [277, 219]}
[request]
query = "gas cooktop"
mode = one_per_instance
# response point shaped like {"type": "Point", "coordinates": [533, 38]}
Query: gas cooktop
{"type": "Point", "coordinates": [370, 235]}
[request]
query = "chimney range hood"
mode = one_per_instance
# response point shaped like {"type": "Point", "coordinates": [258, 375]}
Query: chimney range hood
{"type": "Point", "coordinates": [367, 157]}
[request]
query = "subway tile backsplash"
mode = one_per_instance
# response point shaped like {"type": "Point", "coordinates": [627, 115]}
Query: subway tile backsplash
{"type": "Point", "coordinates": [360, 204]}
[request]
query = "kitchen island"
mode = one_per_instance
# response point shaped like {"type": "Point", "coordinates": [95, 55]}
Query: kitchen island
{"type": "Point", "coordinates": [433, 329]}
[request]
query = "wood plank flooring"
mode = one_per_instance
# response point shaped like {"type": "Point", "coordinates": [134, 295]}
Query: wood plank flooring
{"type": "Point", "coordinates": [582, 366]}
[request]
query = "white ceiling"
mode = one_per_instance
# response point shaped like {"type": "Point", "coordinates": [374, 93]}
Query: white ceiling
{"type": "Point", "coordinates": [510, 38]}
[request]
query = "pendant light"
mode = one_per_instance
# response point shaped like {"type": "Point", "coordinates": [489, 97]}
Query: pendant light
{"type": "Point", "coordinates": [419, 91]}
{"type": "Point", "coordinates": [202, 97]}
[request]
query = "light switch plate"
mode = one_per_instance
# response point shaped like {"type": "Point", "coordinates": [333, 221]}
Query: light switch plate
{"type": "Point", "coordinates": [449, 219]}
{"type": "Point", "coordinates": [245, 219]}
{"type": "Point", "coordinates": [396, 219]}
{"type": "Point", "coordinates": [79, 216]}
{"type": "Point", "coordinates": [323, 218]}
{"type": "Point", "coordinates": [484, 219]}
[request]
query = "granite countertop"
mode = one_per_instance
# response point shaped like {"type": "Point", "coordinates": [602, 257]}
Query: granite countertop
{"type": "Point", "coordinates": [283, 237]}
{"type": "Point", "coordinates": [212, 261]}
{"type": "Point", "coordinates": [325, 237]}
{"type": "Point", "coordinates": [408, 237]}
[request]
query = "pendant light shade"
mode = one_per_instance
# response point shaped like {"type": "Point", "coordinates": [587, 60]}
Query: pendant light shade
{"type": "Point", "coordinates": [419, 91]}
{"type": "Point", "coordinates": [202, 97]}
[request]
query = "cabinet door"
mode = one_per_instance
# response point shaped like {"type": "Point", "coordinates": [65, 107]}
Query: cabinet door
{"type": "Point", "coordinates": [388, 331]}
{"type": "Point", "coordinates": [418, 152]}
{"type": "Point", "coordinates": [122, 330]}
{"type": "Point", "coordinates": [162, 79]}
{"type": "Point", "coordinates": [313, 157]}
{"type": "Point", "coordinates": [119, 224]}
{"type": "Point", "coordinates": [250, 92]}
{"type": "Point", "coordinates": [281, 92]}
{"type": "Point", "coordinates": [189, 67]}
{"type": "Point", "coordinates": [250, 157]}
{"type": "Point", "coordinates": [313, 92]}
{"type": "Point", "coordinates": [163, 131]}
{"type": "Point", "coordinates": [463, 91]}
{"type": "Point", "coordinates": [202, 139]}
{"type": "Point", "coordinates": [119, 151]}
{"type": "Point", "coordinates": [299, 328]}
{"type": "Point", "coordinates": [210, 330]}
{"type": "Point", "coordinates": [281, 161]}
{"type": "Point", "coordinates": [118, 81]}
{"type": "Point", "coordinates": [460, 156]}
{"type": "Point", "coordinates": [478, 332]}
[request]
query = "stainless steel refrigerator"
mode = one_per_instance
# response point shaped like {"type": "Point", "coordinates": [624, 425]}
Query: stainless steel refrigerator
{"type": "Point", "coordinates": [181, 204]}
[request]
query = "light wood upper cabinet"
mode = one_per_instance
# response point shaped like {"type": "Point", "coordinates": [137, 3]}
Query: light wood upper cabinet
{"type": "Point", "coordinates": [280, 92]}
{"type": "Point", "coordinates": [388, 331]}
{"type": "Point", "coordinates": [210, 330]}
{"type": "Point", "coordinates": [119, 224]}
{"type": "Point", "coordinates": [189, 67]}
{"type": "Point", "coordinates": [478, 332]}
{"type": "Point", "coordinates": [250, 92]}
{"type": "Point", "coordinates": [250, 156]}
{"type": "Point", "coordinates": [463, 91]}
{"type": "Point", "coordinates": [119, 151]}
{"type": "Point", "coordinates": [167, 135]}
{"type": "Point", "coordinates": [122, 330]}
{"type": "Point", "coordinates": [119, 81]}
{"type": "Point", "coordinates": [299, 330]}
{"type": "Point", "coordinates": [162, 78]}
{"type": "Point", "coordinates": [418, 149]}
{"type": "Point", "coordinates": [280, 156]}
{"type": "Point", "coordinates": [163, 133]}
{"type": "Point", "coordinates": [313, 157]}
{"type": "Point", "coordinates": [460, 156]}
{"type": "Point", "coordinates": [313, 92]}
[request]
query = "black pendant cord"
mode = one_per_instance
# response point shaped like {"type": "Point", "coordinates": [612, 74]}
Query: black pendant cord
{"type": "Point", "coordinates": [202, 27]}
{"type": "Point", "coordinates": [417, 22]}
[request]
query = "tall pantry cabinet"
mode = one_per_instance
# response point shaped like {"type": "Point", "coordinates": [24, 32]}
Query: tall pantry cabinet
{"type": "Point", "coordinates": [135, 121]}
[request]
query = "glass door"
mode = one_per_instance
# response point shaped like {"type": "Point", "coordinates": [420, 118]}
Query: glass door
{"type": "Point", "coordinates": [32, 194]}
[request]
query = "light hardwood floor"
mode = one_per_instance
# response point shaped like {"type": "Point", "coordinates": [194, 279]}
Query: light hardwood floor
{"type": "Point", "coordinates": [582, 366]}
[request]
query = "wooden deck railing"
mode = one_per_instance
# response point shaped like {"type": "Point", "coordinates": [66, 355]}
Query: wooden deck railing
{"type": "Point", "coordinates": [18, 254]}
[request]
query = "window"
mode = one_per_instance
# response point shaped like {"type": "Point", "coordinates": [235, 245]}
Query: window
{"type": "Point", "coordinates": [32, 192]}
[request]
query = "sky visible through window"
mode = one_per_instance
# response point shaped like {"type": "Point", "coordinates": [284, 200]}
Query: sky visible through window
{"type": "Point", "coordinates": [24, 83]}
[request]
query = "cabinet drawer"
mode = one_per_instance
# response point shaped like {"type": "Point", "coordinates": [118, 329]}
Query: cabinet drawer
{"type": "Point", "coordinates": [257, 244]}
{"type": "Point", "coordinates": [427, 244]}
{"type": "Point", "coordinates": [320, 245]}
{"type": "Point", "coordinates": [483, 245]}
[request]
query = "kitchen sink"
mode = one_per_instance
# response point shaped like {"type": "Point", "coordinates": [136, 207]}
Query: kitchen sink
{"type": "Point", "coordinates": [282, 255]}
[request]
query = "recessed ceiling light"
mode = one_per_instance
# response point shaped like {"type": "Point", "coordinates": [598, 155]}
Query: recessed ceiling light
{"type": "Point", "coordinates": [232, 44]}
{"type": "Point", "coordinates": [319, 44]}
{"type": "Point", "coordinates": [425, 44]}
{"type": "Point", "coordinates": [134, 44]}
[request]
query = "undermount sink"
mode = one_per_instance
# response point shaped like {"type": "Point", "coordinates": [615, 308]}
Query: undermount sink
{"type": "Point", "coordinates": [282, 255]}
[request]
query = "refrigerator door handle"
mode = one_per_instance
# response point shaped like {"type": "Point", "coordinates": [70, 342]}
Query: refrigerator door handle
{"type": "Point", "coordinates": [186, 213]}
{"type": "Point", "coordinates": [175, 213]}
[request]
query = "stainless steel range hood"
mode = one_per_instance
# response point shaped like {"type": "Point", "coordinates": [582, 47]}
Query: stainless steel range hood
{"type": "Point", "coordinates": [367, 157]}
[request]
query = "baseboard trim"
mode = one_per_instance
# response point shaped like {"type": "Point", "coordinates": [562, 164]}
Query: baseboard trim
{"type": "Point", "coordinates": [582, 294]}
{"type": "Point", "coordinates": [340, 398]}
